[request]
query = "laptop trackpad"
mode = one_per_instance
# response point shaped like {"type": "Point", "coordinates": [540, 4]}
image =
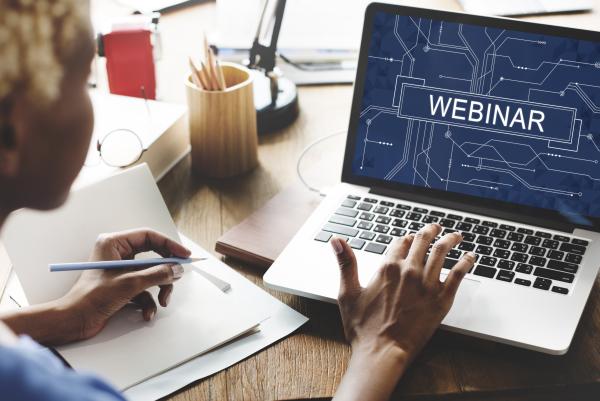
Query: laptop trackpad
{"type": "Point", "coordinates": [462, 307]}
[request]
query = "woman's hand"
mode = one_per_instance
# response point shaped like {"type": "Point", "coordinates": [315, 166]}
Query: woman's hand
{"type": "Point", "coordinates": [388, 322]}
{"type": "Point", "coordinates": [99, 294]}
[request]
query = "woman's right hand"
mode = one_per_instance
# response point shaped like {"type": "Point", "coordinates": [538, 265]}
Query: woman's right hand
{"type": "Point", "coordinates": [388, 322]}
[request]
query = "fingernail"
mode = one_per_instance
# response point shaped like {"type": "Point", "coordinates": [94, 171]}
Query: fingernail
{"type": "Point", "coordinates": [168, 299]}
{"type": "Point", "coordinates": [338, 248]}
{"type": "Point", "coordinates": [177, 271]}
{"type": "Point", "coordinates": [470, 255]}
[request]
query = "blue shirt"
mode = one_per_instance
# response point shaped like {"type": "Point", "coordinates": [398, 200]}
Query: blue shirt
{"type": "Point", "coordinates": [31, 372]}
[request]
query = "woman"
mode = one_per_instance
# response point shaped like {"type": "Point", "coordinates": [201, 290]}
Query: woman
{"type": "Point", "coordinates": [46, 120]}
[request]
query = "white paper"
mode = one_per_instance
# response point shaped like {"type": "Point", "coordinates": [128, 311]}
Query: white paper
{"type": "Point", "coordinates": [283, 321]}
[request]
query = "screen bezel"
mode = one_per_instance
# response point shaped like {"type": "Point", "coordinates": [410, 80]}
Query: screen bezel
{"type": "Point", "coordinates": [492, 207]}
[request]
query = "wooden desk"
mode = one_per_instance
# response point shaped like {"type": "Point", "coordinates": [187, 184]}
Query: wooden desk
{"type": "Point", "coordinates": [311, 363]}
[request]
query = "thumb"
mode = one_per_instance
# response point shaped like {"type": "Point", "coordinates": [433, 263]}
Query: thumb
{"type": "Point", "coordinates": [348, 267]}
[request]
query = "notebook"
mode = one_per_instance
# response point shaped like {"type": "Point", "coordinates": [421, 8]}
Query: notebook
{"type": "Point", "coordinates": [129, 350]}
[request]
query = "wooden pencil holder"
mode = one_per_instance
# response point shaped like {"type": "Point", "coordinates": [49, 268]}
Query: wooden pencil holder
{"type": "Point", "coordinates": [223, 130]}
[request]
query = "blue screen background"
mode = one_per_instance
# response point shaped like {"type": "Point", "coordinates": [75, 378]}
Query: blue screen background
{"type": "Point", "coordinates": [494, 63]}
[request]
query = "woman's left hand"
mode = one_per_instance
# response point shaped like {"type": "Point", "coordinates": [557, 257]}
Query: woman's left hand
{"type": "Point", "coordinates": [99, 294]}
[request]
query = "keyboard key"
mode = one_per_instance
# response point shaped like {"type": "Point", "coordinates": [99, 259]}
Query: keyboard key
{"type": "Point", "coordinates": [364, 225]}
{"type": "Point", "coordinates": [522, 281]}
{"type": "Point", "coordinates": [561, 238]}
{"type": "Point", "coordinates": [454, 254]}
{"type": "Point", "coordinates": [353, 197]}
{"type": "Point", "coordinates": [437, 214]}
{"type": "Point", "coordinates": [484, 250]}
{"type": "Point", "coordinates": [543, 234]}
{"type": "Point", "coordinates": [485, 271]}
{"type": "Point", "coordinates": [397, 213]}
{"type": "Point", "coordinates": [542, 283]}
{"type": "Point", "coordinates": [573, 258]}
{"type": "Point", "coordinates": [366, 216]}
{"type": "Point", "coordinates": [349, 203]}
{"type": "Point", "coordinates": [420, 210]}
{"type": "Point", "coordinates": [553, 275]}
{"type": "Point", "coordinates": [337, 229]}
{"type": "Point", "coordinates": [375, 248]}
{"type": "Point", "coordinates": [468, 237]}
{"type": "Point", "coordinates": [531, 240]}
{"type": "Point", "coordinates": [502, 253]}
{"type": "Point", "coordinates": [519, 257]}
{"type": "Point", "coordinates": [525, 231]}
{"type": "Point", "coordinates": [560, 290]}
{"type": "Point", "coordinates": [414, 216]}
{"type": "Point", "coordinates": [386, 203]}
{"type": "Point", "coordinates": [403, 207]}
{"type": "Point", "coordinates": [344, 211]}
{"type": "Point", "coordinates": [556, 255]}
{"type": "Point", "coordinates": [550, 244]}
{"type": "Point", "coordinates": [563, 266]}
{"type": "Point", "coordinates": [462, 226]}
{"type": "Point", "coordinates": [323, 236]}
{"type": "Point", "coordinates": [430, 219]}
{"type": "Point", "coordinates": [505, 275]}
{"type": "Point", "coordinates": [498, 233]}
{"type": "Point", "coordinates": [582, 242]}
{"type": "Point", "coordinates": [454, 216]}
{"type": "Point", "coordinates": [503, 244]}
{"type": "Point", "coordinates": [524, 268]}
{"type": "Point", "coordinates": [398, 232]}
{"type": "Point", "coordinates": [345, 221]}
{"type": "Point", "coordinates": [507, 227]}
{"type": "Point", "coordinates": [381, 210]}
{"type": "Point", "coordinates": [365, 206]}
{"type": "Point", "coordinates": [383, 220]}
{"type": "Point", "coordinates": [447, 223]}
{"type": "Point", "coordinates": [537, 251]}
{"type": "Point", "coordinates": [481, 230]}
{"type": "Point", "coordinates": [416, 226]}
{"type": "Point", "coordinates": [448, 231]}
{"type": "Point", "coordinates": [472, 220]}
{"type": "Point", "coordinates": [482, 239]}
{"type": "Point", "coordinates": [368, 235]}
{"type": "Point", "coordinates": [488, 261]}
{"type": "Point", "coordinates": [506, 264]}
{"type": "Point", "coordinates": [371, 200]}
{"type": "Point", "coordinates": [384, 239]}
{"type": "Point", "coordinates": [489, 224]}
{"type": "Point", "coordinates": [515, 237]}
{"type": "Point", "coordinates": [379, 228]}
{"type": "Point", "coordinates": [571, 248]}
{"type": "Point", "coordinates": [399, 223]}
{"type": "Point", "coordinates": [537, 261]}
{"type": "Point", "coordinates": [357, 243]}
{"type": "Point", "coordinates": [466, 246]}
{"type": "Point", "coordinates": [518, 247]}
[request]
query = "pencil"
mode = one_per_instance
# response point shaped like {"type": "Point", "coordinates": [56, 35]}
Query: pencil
{"type": "Point", "coordinates": [195, 76]}
{"type": "Point", "coordinates": [121, 264]}
{"type": "Point", "coordinates": [220, 75]}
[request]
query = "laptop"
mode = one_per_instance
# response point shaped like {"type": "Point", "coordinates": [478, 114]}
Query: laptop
{"type": "Point", "coordinates": [525, 7]}
{"type": "Point", "coordinates": [487, 126]}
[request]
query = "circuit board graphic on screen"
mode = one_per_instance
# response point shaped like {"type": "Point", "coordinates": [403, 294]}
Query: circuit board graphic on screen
{"type": "Point", "coordinates": [493, 113]}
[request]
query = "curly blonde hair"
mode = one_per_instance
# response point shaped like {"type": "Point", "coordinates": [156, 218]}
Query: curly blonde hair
{"type": "Point", "coordinates": [36, 37]}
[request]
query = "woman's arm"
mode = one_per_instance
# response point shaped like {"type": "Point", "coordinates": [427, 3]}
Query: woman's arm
{"type": "Point", "coordinates": [390, 321]}
{"type": "Point", "coordinates": [99, 294]}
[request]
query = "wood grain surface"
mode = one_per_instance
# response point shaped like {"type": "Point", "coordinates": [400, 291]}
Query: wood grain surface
{"type": "Point", "coordinates": [310, 363]}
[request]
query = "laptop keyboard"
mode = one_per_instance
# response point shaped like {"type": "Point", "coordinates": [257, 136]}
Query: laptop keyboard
{"type": "Point", "coordinates": [505, 252]}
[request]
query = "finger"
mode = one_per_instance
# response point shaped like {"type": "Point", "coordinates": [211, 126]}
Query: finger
{"type": "Point", "coordinates": [164, 295]}
{"type": "Point", "coordinates": [146, 302]}
{"type": "Point", "coordinates": [153, 276]}
{"type": "Point", "coordinates": [399, 248]}
{"type": "Point", "coordinates": [458, 271]}
{"type": "Point", "coordinates": [144, 240]}
{"type": "Point", "coordinates": [420, 245]}
{"type": "Point", "coordinates": [438, 254]}
{"type": "Point", "coordinates": [349, 283]}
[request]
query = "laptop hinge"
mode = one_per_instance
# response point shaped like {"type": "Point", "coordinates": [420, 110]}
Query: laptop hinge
{"type": "Point", "coordinates": [477, 209]}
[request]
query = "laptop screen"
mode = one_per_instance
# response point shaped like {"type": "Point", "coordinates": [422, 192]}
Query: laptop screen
{"type": "Point", "coordinates": [483, 111]}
